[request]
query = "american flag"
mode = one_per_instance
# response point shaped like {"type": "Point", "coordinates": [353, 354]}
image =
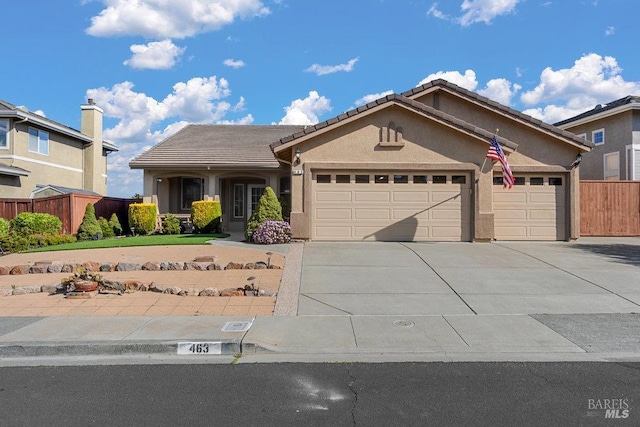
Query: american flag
{"type": "Point", "coordinates": [495, 153]}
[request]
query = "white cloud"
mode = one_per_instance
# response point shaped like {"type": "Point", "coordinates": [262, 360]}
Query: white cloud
{"type": "Point", "coordinates": [306, 111]}
{"type": "Point", "coordinates": [500, 90]}
{"type": "Point", "coordinates": [321, 70]}
{"type": "Point", "coordinates": [592, 80]}
{"type": "Point", "coordinates": [234, 63]}
{"type": "Point", "coordinates": [433, 11]}
{"type": "Point", "coordinates": [142, 121]}
{"type": "Point", "coordinates": [372, 97]}
{"type": "Point", "coordinates": [155, 55]}
{"type": "Point", "coordinates": [466, 80]}
{"type": "Point", "coordinates": [170, 19]}
{"type": "Point", "coordinates": [474, 11]}
{"type": "Point", "coordinates": [610, 31]}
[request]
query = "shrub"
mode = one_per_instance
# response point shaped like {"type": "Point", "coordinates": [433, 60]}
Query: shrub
{"type": "Point", "coordinates": [107, 230]}
{"type": "Point", "coordinates": [56, 239]}
{"type": "Point", "coordinates": [271, 232]}
{"type": "Point", "coordinates": [13, 242]}
{"type": "Point", "coordinates": [28, 223]}
{"type": "Point", "coordinates": [114, 223]}
{"type": "Point", "coordinates": [89, 228]}
{"type": "Point", "coordinates": [205, 216]}
{"type": "Point", "coordinates": [268, 209]}
{"type": "Point", "coordinates": [142, 218]}
{"type": "Point", "coordinates": [4, 226]}
{"type": "Point", "coordinates": [171, 224]}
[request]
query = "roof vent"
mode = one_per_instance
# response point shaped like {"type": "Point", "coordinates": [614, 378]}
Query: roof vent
{"type": "Point", "coordinates": [597, 107]}
{"type": "Point", "coordinates": [90, 101]}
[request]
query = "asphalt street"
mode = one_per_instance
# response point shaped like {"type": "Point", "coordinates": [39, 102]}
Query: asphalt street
{"type": "Point", "coordinates": [384, 394]}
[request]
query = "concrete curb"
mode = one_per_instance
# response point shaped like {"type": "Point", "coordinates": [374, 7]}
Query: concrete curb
{"type": "Point", "coordinates": [287, 300]}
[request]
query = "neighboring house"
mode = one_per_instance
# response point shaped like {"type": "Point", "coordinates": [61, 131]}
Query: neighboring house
{"type": "Point", "coordinates": [614, 129]}
{"type": "Point", "coordinates": [407, 167]}
{"type": "Point", "coordinates": [36, 152]}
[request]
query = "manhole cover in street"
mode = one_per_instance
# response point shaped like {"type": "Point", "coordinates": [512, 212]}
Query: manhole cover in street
{"type": "Point", "coordinates": [236, 326]}
{"type": "Point", "coordinates": [403, 323]}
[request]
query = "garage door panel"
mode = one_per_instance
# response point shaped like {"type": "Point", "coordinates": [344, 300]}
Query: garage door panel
{"type": "Point", "coordinates": [371, 213]}
{"type": "Point", "coordinates": [410, 196]}
{"type": "Point", "coordinates": [333, 213]}
{"type": "Point", "coordinates": [530, 212]}
{"type": "Point", "coordinates": [333, 196]}
{"type": "Point", "coordinates": [392, 211]}
{"type": "Point", "coordinates": [372, 196]}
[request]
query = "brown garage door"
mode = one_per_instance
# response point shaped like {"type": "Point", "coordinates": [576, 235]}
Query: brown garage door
{"type": "Point", "coordinates": [391, 206]}
{"type": "Point", "coordinates": [533, 209]}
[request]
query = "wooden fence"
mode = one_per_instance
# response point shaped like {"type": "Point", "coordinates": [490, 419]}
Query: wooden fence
{"type": "Point", "coordinates": [69, 208]}
{"type": "Point", "coordinates": [609, 208]}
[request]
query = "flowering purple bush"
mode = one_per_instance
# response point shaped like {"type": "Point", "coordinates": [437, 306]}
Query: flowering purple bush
{"type": "Point", "coordinates": [270, 232]}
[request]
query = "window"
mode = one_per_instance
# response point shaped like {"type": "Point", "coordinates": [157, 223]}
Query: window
{"type": "Point", "coordinates": [555, 180]}
{"type": "Point", "coordinates": [519, 180]}
{"type": "Point", "coordinates": [597, 137]}
{"type": "Point", "coordinates": [612, 166]}
{"type": "Point", "coordinates": [498, 180]}
{"type": "Point", "coordinates": [420, 179]}
{"type": "Point", "coordinates": [536, 180]}
{"type": "Point", "coordinates": [191, 191]}
{"type": "Point", "coordinates": [439, 179]}
{"type": "Point", "coordinates": [400, 179]}
{"type": "Point", "coordinates": [238, 200]}
{"type": "Point", "coordinates": [323, 179]}
{"type": "Point", "coordinates": [343, 179]}
{"type": "Point", "coordinates": [458, 179]}
{"type": "Point", "coordinates": [38, 141]}
{"type": "Point", "coordinates": [362, 179]}
{"type": "Point", "coordinates": [382, 179]}
{"type": "Point", "coordinates": [4, 133]}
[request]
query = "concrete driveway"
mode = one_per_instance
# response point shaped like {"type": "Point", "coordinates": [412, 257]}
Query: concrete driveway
{"type": "Point", "coordinates": [593, 275]}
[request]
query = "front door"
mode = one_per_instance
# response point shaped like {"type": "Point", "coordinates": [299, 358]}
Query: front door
{"type": "Point", "coordinates": [254, 192]}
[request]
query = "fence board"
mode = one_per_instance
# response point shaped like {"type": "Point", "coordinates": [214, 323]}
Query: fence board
{"type": "Point", "coordinates": [609, 208]}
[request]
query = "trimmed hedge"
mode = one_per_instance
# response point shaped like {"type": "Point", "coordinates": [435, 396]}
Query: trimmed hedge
{"type": "Point", "coordinates": [4, 226]}
{"type": "Point", "coordinates": [28, 223]}
{"type": "Point", "coordinates": [142, 218]}
{"type": "Point", "coordinates": [206, 216]}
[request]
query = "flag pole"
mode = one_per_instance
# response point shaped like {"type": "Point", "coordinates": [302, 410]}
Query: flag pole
{"type": "Point", "coordinates": [485, 157]}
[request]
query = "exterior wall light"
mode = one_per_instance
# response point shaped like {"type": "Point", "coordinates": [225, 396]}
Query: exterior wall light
{"type": "Point", "coordinates": [297, 161]}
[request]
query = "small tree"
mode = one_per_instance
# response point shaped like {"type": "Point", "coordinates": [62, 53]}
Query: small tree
{"type": "Point", "coordinates": [268, 209]}
{"type": "Point", "coordinates": [107, 230]}
{"type": "Point", "coordinates": [114, 223]}
{"type": "Point", "coordinates": [89, 228]}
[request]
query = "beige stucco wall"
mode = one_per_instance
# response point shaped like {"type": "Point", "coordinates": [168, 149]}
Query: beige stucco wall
{"type": "Point", "coordinates": [429, 145]}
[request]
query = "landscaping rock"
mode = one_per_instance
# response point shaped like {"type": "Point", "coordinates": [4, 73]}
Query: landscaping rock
{"type": "Point", "coordinates": [4, 271]}
{"type": "Point", "coordinates": [156, 288]}
{"type": "Point", "coordinates": [261, 265]}
{"type": "Point", "coordinates": [20, 269]}
{"type": "Point", "coordinates": [275, 267]}
{"type": "Point", "coordinates": [134, 285]}
{"type": "Point", "coordinates": [91, 266]}
{"type": "Point", "coordinates": [107, 266]}
{"type": "Point", "coordinates": [151, 266]}
{"type": "Point", "coordinates": [26, 290]}
{"type": "Point", "coordinates": [174, 266]}
{"type": "Point", "coordinates": [234, 266]}
{"type": "Point", "coordinates": [55, 267]}
{"type": "Point", "coordinates": [38, 269]}
{"type": "Point", "coordinates": [113, 285]}
{"type": "Point", "coordinates": [232, 292]}
{"type": "Point", "coordinates": [68, 268]}
{"type": "Point", "coordinates": [128, 266]}
{"type": "Point", "coordinates": [209, 292]}
{"type": "Point", "coordinates": [192, 292]}
{"type": "Point", "coordinates": [250, 266]}
{"type": "Point", "coordinates": [215, 266]}
{"type": "Point", "coordinates": [50, 288]}
{"type": "Point", "coordinates": [199, 266]}
{"type": "Point", "coordinates": [173, 291]}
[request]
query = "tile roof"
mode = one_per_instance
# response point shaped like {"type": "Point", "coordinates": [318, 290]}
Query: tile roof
{"type": "Point", "coordinates": [64, 190]}
{"type": "Point", "coordinates": [198, 146]}
{"type": "Point", "coordinates": [406, 99]}
{"type": "Point", "coordinates": [602, 108]}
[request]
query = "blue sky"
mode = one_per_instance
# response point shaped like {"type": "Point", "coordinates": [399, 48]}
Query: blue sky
{"type": "Point", "coordinates": [155, 65]}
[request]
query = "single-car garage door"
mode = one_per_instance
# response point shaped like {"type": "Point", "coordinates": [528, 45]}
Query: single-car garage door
{"type": "Point", "coordinates": [391, 206]}
{"type": "Point", "coordinates": [533, 209]}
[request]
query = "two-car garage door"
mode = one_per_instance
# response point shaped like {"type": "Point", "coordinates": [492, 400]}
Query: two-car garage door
{"type": "Point", "coordinates": [391, 206]}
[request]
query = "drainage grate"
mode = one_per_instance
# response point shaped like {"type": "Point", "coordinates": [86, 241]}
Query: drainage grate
{"type": "Point", "coordinates": [403, 323]}
{"type": "Point", "coordinates": [236, 326]}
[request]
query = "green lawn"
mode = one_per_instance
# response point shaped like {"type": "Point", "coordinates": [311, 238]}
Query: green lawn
{"type": "Point", "coordinates": [155, 240]}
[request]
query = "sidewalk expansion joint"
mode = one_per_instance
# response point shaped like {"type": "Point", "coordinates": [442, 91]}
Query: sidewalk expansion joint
{"type": "Point", "coordinates": [328, 305]}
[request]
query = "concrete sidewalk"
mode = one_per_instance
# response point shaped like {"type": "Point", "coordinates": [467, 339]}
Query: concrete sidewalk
{"type": "Point", "coordinates": [512, 301]}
